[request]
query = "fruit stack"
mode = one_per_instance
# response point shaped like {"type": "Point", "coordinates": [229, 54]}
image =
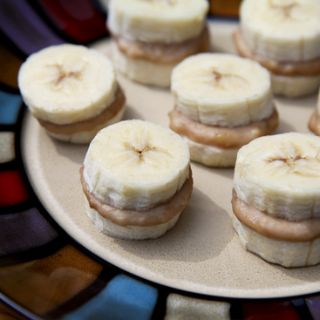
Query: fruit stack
{"type": "Point", "coordinates": [151, 37]}
{"type": "Point", "coordinates": [276, 198]}
{"type": "Point", "coordinates": [137, 179]}
{"type": "Point", "coordinates": [284, 36]}
{"type": "Point", "coordinates": [222, 102]}
{"type": "Point", "coordinates": [72, 91]}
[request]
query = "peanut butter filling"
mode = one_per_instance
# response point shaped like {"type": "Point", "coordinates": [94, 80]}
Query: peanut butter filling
{"type": "Point", "coordinates": [222, 136]}
{"type": "Point", "coordinates": [89, 124]}
{"type": "Point", "coordinates": [314, 123]}
{"type": "Point", "coordinates": [275, 228]}
{"type": "Point", "coordinates": [157, 215]}
{"type": "Point", "coordinates": [286, 68]}
{"type": "Point", "coordinates": [163, 52]}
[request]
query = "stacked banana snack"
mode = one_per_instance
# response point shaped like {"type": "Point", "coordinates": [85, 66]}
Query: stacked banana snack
{"type": "Point", "coordinates": [137, 179]}
{"type": "Point", "coordinates": [276, 198]}
{"type": "Point", "coordinates": [151, 37]}
{"type": "Point", "coordinates": [72, 91]}
{"type": "Point", "coordinates": [284, 36]}
{"type": "Point", "coordinates": [222, 102]}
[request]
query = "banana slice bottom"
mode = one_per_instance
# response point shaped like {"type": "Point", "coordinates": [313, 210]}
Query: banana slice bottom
{"type": "Point", "coordinates": [285, 253]}
{"type": "Point", "coordinates": [129, 232]}
{"type": "Point", "coordinates": [218, 146]}
{"type": "Point", "coordinates": [287, 243]}
{"type": "Point", "coordinates": [212, 156]}
{"type": "Point", "coordinates": [163, 52]}
{"type": "Point", "coordinates": [133, 224]}
{"type": "Point", "coordinates": [294, 86]}
{"type": "Point", "coordinates": [84, 131]}
{"type": "Point", "coordinates": [289, 78]}
{"type": "Point", "coordinates": [142, 71]}
{"type": "Point", "coordinates": [152, 63]}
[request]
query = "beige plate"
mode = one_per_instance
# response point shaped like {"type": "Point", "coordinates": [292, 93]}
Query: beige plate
{"type": "Point", "coordinates": [201, 254]}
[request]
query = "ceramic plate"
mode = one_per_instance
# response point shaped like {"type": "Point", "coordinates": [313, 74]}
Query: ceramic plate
{"type": "Point", "coordinates": [202, 254]}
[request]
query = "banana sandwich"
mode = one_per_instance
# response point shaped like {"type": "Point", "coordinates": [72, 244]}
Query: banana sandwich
{"type": "Point", "coordinates": [284, 36]}
{"type": "Point", "coordinates": [137, 179]}
{"type": "Point", "coordinates": [276, 198]}
{"type": "Point", "coordinates": [314, 121]}
{"type": "Point", "coordinates": [151, 37]}
{"type": "Point", "coordinates": [222, 102]}
{"type": "Point", "coordinates": [72, 91]}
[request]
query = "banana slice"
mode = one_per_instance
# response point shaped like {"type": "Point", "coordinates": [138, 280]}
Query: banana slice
{"type": "Point", "coordinates": [142, 71]}
{"type": "Point", "coordinates": [286, 30]}
{"type": "Point", "coordinates": [285, 253]}
{"type": "Point", "coordinates": [280, 176]}
{"type": "Point", "coordinates": [157, 20]}
{"type": "Point", "coordinates": [136, 165]}
{"type": "Point", "coordinates": [131, 232]}
{"type": "Point", "coordinates": [67, 85]}
{"type": "Point", "coordinates": [212, 156]}
{"type": "Point", "coordinates": [294, 86]}
{"type": "Point", "coordinates": [222, 90]}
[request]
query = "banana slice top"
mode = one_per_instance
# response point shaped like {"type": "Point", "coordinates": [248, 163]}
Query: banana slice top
{"type": "Point", "coordinates": [67, 83]}
{"type": "Point", "coordinates": [212, 81]}
{"type": "Point", "coordinates": [280, 176]}
{"type": "Point", "coordinates": [157, 20]}
{"type": "Point", "coordinates": [284, 165]}
{"type": "Point", "coordinates": [136, 164]}
{"type": "Point", "coordinates": [291, 25]}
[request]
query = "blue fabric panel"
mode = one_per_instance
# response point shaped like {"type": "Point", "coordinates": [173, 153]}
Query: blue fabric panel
{"type": "Point", "coordinates": [123, 298]}
{"type": "Point", "coordinates": [9, 107]}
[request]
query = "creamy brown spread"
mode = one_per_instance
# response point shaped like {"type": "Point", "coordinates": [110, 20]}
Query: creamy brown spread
{"type": "Point", "coordinates": [157, 215]}
{"type": "Point", "coordinates": [314, 123]}
{"type": "Point", "coordinates": [163, 52]}
{"type": "Point", "coordinates": [89, 124]}
{"type": "Point", "coordinates": [275, 228]}
{"type": "Point", "coordinates": [222, 136]}
{"type": "Point", "coordinates": [285, 68]}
